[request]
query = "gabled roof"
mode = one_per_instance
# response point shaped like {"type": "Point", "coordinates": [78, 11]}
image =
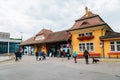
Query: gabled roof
{"type": "Point", "coordinates": [92, 20]}
{"type": "Point", "coordinates": [110, 35]}
{"type": "Point", "coordinates": [51, 37]}
{"type": "Point", "coordinates": [44, 32]}
{"type": "Point", "coordinates": [58, 36]}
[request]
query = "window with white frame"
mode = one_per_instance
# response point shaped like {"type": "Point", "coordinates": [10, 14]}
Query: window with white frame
{"type": "Point", "coordinates": [85, 34]}
{"type": "Point", "coordinates": [115, 45]}
{"type": "Point", "coordinates": [89, 46]}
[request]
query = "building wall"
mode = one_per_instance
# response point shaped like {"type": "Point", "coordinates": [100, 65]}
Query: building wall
{"type": "Point", "coordinates": [40, 47]}
{"type": "Point", "coordinates": [35, 49]}
{"type": "Point", "coordinates": [13, 46]}
{"type": "Point", "coordinates": [97, 32]}
{"type": "Point", "coordinates": [106, 48]}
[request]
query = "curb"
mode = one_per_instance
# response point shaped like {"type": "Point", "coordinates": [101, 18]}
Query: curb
{"type": "Point", "coordinates": [103, 60]}
{"type": "Point", "coordinates": [11, 58]}
{"type": "Point", "coordinates": [109, 60]}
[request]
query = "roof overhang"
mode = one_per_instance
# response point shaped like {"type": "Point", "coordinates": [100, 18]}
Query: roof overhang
{"type": "Point", "coordinates": [88, 27]}
{"type": "Point", "coordinates": [107, 39]}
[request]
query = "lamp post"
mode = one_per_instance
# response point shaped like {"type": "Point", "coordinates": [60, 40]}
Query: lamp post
{"type": "Point", "coordinates": [21, 36]}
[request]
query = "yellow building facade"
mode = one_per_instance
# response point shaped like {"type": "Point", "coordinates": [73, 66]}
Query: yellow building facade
{"type": "Point", "coordinates": [92, 33]}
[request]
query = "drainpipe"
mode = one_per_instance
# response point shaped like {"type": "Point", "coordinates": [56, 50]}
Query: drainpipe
{"type": "Point", "coordinates": [103, 44]}
{"type": "Point", "coordinates": [103, 50]}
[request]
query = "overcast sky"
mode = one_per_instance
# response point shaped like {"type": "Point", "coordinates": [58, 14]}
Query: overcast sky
{"type": "Point", "coordinates": [30, 16]}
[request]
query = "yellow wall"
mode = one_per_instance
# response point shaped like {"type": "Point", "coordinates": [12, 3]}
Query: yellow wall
{"type": "Point", "coordinates": [43, 48]}
{"type": "Point", "coordinates": [35, 49]}
{"type": "Point", "coordinates": [97, 32]}
{"type": "Point", "coordinates": [106, 48]}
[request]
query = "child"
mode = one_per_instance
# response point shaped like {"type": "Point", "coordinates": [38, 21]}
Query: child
{"type": "Point", "coordinates": [75, 56]}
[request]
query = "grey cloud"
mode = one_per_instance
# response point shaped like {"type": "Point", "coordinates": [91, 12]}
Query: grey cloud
{"type": "Point", "coordinates": [29, 16]}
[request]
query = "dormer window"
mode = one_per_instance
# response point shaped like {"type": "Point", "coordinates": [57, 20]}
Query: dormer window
{"type": "Point", "coordinates": [84, 23]}
{"type": "Point", "coordinates": [89, 34]}
{"type": "Point", "coordinates": [40, 37]}
{"type": "Point", "coordinates": [85, 34]}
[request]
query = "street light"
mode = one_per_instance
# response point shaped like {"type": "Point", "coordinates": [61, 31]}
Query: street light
{"type": "Point", "coordinates": [21, 35]}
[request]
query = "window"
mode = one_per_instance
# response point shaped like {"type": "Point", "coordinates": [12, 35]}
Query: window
{"type": "Point", "coordinates": [90, 33]}
{"type": "Point", "coordinates": [118, 45]}
{"type": "Point", "coordinates": [41, 37]}
{"type": "Point", "coordinates": [88, 46]}
{"type": "Point", "coordinates": [85, 34]}
{"type": "Point", "coordinates": [115, 45]}
{"type": "Point", "coordinates": [79, 35]}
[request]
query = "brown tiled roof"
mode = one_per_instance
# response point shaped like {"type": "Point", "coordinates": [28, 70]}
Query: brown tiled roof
{"type": "Point", "coordinates": [90, 14]}
{"type": "Point", "coordinates": [92, 20]}
{"type": "Point", "coordinates": [51, 37]}
{"type": "Point", "coordinates": [44, 32]}
{"type": "Point", "coordinates": [58, 36]}
{"type": "Point", "coordinates": [110, 34]}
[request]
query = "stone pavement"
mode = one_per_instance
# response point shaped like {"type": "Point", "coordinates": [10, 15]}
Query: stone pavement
{"type": "Point", "coordinates": [109, 66]}
{"type": "Point", "coordinates": [63, 69]}
{"type": "Point", "coordinates": [5, 58]}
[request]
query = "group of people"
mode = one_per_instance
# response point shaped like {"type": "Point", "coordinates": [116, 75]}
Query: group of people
{"type": "Point", "coordinates": [60, 53]}
{"type": "Point", "coordinates": [18, 55]}
{"type": "Point", "coordinates": [40, 55]}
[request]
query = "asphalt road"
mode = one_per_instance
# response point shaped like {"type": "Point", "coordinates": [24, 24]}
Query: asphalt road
{"type": "Point", "coordinates": [56, 69]}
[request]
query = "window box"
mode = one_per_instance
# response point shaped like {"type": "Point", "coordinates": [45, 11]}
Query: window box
{"type": "Point", "coordinates": [85, 37]}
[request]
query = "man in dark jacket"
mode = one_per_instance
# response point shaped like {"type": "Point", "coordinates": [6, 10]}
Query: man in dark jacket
{"type": "Point", "coordinates": [86, 55]}
{"type": "Point", "coordinates": [16, 55]}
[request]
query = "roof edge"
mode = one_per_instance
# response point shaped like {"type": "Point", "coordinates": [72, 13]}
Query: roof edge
{"type": "Point", "coordinates": [89, 27]}
{"type": "Point", "coordinates": [86, 18]}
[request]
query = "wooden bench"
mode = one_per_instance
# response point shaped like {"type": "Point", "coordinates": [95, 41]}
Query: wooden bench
{"type": "Point", "coordinates": [114, 54]}
{"type": "Point", "coordinates": [95, 55]}
{"type": "Point", "coordinates": [80, 55]}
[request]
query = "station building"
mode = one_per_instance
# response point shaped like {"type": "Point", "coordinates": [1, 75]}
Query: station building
{"type": "Point", "coordinates": [89, 32]}
{"type": "Point", "coordinates": [47, 41]}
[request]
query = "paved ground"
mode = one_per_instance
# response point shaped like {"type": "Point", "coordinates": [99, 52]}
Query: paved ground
{"type": "Point", "coordinates": [58, 69]}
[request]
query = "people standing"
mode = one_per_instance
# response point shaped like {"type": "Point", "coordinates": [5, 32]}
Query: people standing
{"type": "Point", "coordinates": [43, 55]}
{"type": "Point", "coordinates": [75, 56]}
{"type": "Point", "coordinates": [20, 54]}
{"type": "Point", "coordinates": [86, 55]}
{"type": "Point", "coordinates": [68, 54]}
{"type": "Point", "coordinates": [37, 56]}
{"type": "Point", "coordinates": [16, 55]}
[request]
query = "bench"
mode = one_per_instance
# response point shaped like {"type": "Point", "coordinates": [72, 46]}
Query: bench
{"type": "Point", "coordinates": [95, 55]}
{"type": "Point", "coordinates": [80, 55]}
{"type": "Point", "coordinates": [113, 54]}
